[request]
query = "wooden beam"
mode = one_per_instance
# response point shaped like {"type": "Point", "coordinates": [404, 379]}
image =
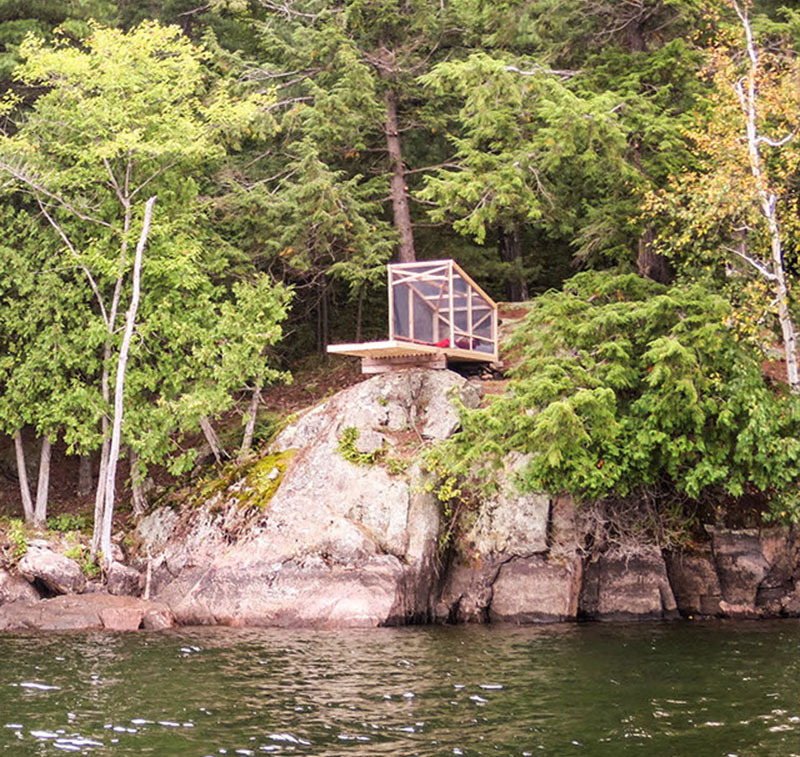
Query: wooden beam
{"type": "Point", "coordinates": [388, 364]}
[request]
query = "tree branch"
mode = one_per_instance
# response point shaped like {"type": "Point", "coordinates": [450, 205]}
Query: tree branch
{"type": "Point", "coordinates": [760, 267]}
{"type": "Point", "coordinates": [74, 252]}
{"type": "Point", "coordinates": [779, 142]}
{"type": "Point", "coordinates": [20, 175]}
{"type": "Point", "coordinates": [563, 74]}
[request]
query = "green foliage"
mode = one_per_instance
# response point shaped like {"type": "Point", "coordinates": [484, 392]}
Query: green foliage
{"type": "Point", "coordinates": [524, 146]}
{"type": "Point", "coordinates": [123, 116]}
{"type": "Point", "coordinates": [396, 465]}
{"type": "Point", "coordinates": [450, 492]}
{"type": "Point", "coordinates": [18, 536]}
{"type": "Point", "coordinates": [349, 451]}
{"type": "Point", "coordinates": [81, 555]}
{"type": "Point", "coordinates": [625, 385]}
{"type": "Point", "coordinates": [66, 522]}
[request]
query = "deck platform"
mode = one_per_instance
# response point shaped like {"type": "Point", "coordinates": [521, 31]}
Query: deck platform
{"type": "Point", "coordinates": [392, 354]}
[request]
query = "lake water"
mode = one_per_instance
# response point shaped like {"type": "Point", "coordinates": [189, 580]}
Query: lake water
{"type": "Point", "coordinates": [665, 689]}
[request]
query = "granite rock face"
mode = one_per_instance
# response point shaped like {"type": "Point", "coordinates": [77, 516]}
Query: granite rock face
{"type": "Point", "coordinates": [515, 563]}
{"type": "Point", "coordinates": [14, 588]}
{"type": "Point", "coordinates": [338, 543]}
{"type": "Point", "coordinates": [627, 588]}
{"type": "Point", "coordinates": [694, 581]}
{"type": "Point", "coordinates": [536, 589]}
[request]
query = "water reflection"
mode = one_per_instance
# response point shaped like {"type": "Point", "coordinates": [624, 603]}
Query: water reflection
{"type": "Point", "coordinates": [673, 689]}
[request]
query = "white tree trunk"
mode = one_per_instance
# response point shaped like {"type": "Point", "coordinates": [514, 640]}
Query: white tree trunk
{"type": "Point", "coordinates": [212, 439]}
{"type": "Point", "coordinates": [22, 473]}
{"type": "Point", "coordinates": [250, 425]}
{"type": "Point", "coordinates": [100, 491]}
{"type": "Point", "coordinates": [137, 492]}
{"type": "Point", "coordinates": [43, 487]}
{"type": "Point", "coordinates": [747, 90]}
{"type": "Point", "coordinates": [105, 378]}
{"type": "Point", "coordinates": [119, 387]}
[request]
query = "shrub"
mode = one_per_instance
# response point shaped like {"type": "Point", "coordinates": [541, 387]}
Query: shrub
{"type": "Point", "coordinates": [625, 385]}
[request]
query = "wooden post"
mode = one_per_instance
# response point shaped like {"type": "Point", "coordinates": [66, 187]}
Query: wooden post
{"type": "Point", "coordinates": [469, 317]}
{"type": "Point", "coordinates": [494, 333]}
{"type": "Point", "coordinates": [391, 303]}
{"type": "Point", "coordinates": [410, 311]}
{"type": "Point", "coordinates": [452, 305]}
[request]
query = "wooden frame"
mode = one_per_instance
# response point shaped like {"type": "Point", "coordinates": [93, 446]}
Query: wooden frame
{"type": "Point", "coordinates": [436, 312]}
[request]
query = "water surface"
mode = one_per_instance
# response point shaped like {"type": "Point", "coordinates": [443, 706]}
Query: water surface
{"type": "Point", "coordinates": [665, 689]}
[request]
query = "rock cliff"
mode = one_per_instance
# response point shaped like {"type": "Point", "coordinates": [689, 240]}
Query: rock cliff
{"type": "Point", "coordinates": [335, 526]}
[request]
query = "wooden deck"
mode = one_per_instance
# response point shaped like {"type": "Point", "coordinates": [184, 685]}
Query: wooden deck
{"type": "Point", "coordinates": [391, 354]}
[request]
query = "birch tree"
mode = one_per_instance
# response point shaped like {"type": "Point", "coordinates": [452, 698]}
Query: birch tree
{"type": "Point", "coordinates": [738, 209]}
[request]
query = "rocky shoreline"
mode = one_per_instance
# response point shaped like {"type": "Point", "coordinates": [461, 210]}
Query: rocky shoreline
{"type": "Point", "coordinates": [335, 528]}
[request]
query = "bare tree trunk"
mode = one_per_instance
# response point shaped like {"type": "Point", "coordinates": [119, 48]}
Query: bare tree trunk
{"type": "Point", "coordinates": [139, 500]}
{"type": "Point", "coordinates": [650, 264]}
{"type": "Point", "coordinates": [119, 388]}
{"type": "Point", "coordinates": [634, 34]}
{"type": "Point", "coordinates": [123, 194]}
{"type": "Point", "coordinates": [100, 491]}
{"type": "Point", "coordinates": [510, 249]}
{"type": "Point", "coordinates": [250, 425]}
{"type": "Point", "coordinates": [323, 318]}
{"type": "Point", "coordinates": [768, 199]}
{"type": "Point", "coordinates": [84, 475]}
{"type": "Point", "coordinates": [212, 439]}
{"type": "Point", "coordinates": [325, 321]}
{"type": "Point", "coordinates": [360, 312]}
{"type": "Point", "coordinates": [22, 474]}
{"type": "Point", "coordinates": [788, 331]}
{"type": "Point", "coordinates": [398, 190]}
{"type": "Point", "coordinates": [43, 487]}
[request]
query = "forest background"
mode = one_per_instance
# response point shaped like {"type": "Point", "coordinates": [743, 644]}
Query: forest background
{"type": "Point", "coordinates": [197, 197]}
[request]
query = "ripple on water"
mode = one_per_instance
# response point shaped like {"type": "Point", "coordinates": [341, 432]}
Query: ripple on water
{"type": "Point", "coordinates": [676, 690]}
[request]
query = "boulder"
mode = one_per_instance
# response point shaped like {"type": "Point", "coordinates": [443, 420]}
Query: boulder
{"type": "Point", "coordinates": [14, 588]}
{"type": "Point", "coordinates": [336, 544]}
{"type": "Point", "coordinates": [777, 593]}
{"type": "Point", "coordinates": [81, 612]}
{"type": "Point", "coordinates": [121, 618]}
{"type": "Point", "coordinates": [57, 573]}
{"type": "Point", "coordinates": [627, 588]}
{"type": "Point", "coordinates": [157, 617]}
{"type": "Point", "coordinates": [536, 590]}
{"type": "Point", "coordinates": [741, 566]}
{"type": "Point", "coordinates": [123, 580]}
{"type": "Point", "coordinates": [694, 581]}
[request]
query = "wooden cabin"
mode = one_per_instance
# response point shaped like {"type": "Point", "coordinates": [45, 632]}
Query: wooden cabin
{"type": "Point", "coordinates": [437, 314]}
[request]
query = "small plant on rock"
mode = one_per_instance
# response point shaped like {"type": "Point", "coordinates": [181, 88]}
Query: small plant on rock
{"type": "Point", "coordinates": [348, 448]}
{"type": "Point", "coordinates": [81, 555]}
{"type": "Point", "coordinates": [18, 537]}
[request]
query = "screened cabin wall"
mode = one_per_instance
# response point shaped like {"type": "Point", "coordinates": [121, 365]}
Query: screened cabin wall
{"type": "Point", "coordinates": [436, 304]}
